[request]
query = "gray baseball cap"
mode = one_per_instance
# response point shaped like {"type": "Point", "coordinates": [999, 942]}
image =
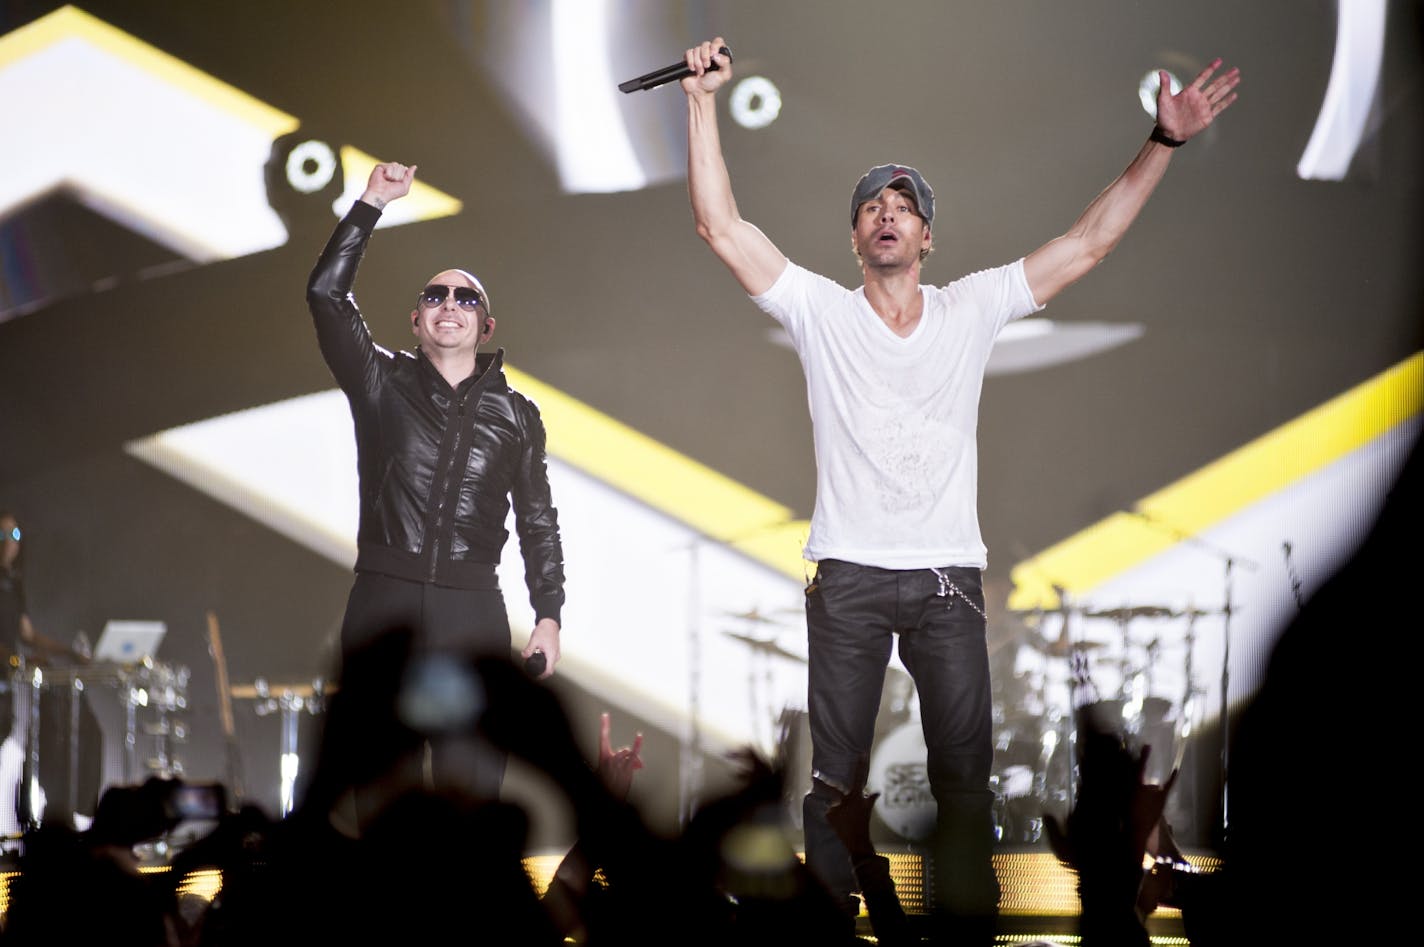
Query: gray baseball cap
{"type": "Point", "coordinates": [899, 177]}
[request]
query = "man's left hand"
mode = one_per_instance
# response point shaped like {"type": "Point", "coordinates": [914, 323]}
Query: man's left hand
{"type": "Point", "coordinates": [545, 638]}
{"type": "Point", "coordinates": [1187, 113]}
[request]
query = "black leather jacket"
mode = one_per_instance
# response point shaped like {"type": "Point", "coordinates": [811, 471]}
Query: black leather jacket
{"type": "Point", "coordinates": [438, 466]}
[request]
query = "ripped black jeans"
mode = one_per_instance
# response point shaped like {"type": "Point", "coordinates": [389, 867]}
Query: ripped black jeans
{"type": "Point", "coordinates": [852, 614]}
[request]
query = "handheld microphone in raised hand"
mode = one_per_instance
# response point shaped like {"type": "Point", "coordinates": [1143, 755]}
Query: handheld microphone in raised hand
{"type": "Point", "coordinates": [663, 76]}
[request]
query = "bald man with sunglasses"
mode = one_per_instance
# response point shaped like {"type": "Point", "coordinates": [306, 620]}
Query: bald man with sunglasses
{"type": "Point", "coordinates": [445, 448]}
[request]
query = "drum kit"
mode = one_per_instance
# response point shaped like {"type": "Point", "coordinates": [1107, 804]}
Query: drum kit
{"type": "Point", "coordinates": [1128, 670]}
{"type": "Point", "coordinates": [1121, 672]}
{"type": "Point", "coordinates": [82, 727]}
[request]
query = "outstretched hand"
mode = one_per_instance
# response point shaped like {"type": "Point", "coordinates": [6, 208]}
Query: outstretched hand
{"type": "Point", "coordinates": [699, 58]}
{"type": "Point", "coordinates": [618, 766]}
{"type": "Point", "coordinates": [1118, 815]}
{"type": "Point", "coordinates": [389, 181]}
{"type": "Point", "coordinates": [1191, 110]}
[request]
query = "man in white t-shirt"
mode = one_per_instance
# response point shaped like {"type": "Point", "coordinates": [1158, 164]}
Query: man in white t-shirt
{"type": "Point", "coordinates": [893, 375]}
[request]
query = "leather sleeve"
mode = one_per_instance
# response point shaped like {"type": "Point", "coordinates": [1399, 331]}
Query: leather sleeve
{"type": "Point", "coordinates": [537, 521]}
{"type": "Point", "coordinates": [346, 344]}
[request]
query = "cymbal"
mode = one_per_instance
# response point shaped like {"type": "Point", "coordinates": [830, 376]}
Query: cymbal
{"type": "Point", "coordinates": [1063, 648]}
{"type": "Point", "coordinates": [1055, 610]}
{"type": "Point", "coordinates": [753, 616]}
{"type": "Point", "coordinates": [1134, 611]}
{"type": "Point", "coordinates": [766, 646]}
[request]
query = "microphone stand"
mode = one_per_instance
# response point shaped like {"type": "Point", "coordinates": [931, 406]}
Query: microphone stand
{"type": "Point", "coordinates": [1230, 561]}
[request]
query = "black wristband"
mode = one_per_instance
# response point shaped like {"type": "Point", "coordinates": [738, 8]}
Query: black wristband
{"type": "Point", "coordinates": [1162, 138]}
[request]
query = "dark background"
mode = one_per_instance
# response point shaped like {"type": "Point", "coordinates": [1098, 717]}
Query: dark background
{"type": "Point", "coordinates": [1261, 295]}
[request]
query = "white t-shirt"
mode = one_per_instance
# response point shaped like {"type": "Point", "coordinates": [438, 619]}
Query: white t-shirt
{"type": "Point", "coordinates": [895, 420]}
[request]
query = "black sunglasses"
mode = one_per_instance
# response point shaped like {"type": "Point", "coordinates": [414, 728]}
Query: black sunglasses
{"type": "Point", "coordinates": [465, 297]}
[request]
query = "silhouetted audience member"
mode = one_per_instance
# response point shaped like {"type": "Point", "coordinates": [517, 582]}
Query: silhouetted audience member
{"type": "Point", "coordinates": [850, 817]}
{"type": "Point", "coordinates": [431, 861]}
{"type": "Point", "coordinates": [1107, 834]}
{"type": "Point", "coordinates": [750, 887]}
{"type": "Point", "coordinates": [574, 894]}
{"type": "Point", "coordinates": [85, 887]}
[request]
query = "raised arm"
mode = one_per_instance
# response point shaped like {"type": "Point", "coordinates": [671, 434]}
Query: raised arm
{"type": "Point", "coordinates": [344, 338]}
{"type": "Point", "coordinates": [1064, 260]}
{"type": "Point", "coordinates": [753, 259]}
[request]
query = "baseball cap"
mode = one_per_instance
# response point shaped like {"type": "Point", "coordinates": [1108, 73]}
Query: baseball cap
{"type": "Point", "coordinates": [897, 176]}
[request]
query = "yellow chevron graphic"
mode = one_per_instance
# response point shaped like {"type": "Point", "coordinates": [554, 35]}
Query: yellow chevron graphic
{"type": "Point", "coordinates": [1245, 476]}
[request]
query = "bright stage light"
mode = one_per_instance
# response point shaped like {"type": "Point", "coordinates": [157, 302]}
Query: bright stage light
{"type": "Point", "coordinates": [310, 166]}
{"type": "Point", "coordinates": [585, 105]}
{"type": "Point", "coordinates": [1354, 81]}
{"type": "Point", "coordinates": [1147, 91]}
{"type": "Point", "coordinates": [755, 102]}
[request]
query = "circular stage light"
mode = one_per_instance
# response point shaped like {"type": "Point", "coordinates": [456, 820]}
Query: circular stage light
{"type": "Point", "coordinates": [310, 166]}
{"type": "Point", "coordinates": [1147, 91]}
{"type": "Point", "coordinates": [755, 102]}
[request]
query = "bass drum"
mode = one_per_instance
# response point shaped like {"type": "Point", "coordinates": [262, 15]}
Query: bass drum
{"type": "Point", "coordinates": [898, 772]}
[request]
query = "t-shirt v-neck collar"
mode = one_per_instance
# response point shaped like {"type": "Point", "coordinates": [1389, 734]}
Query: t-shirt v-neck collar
{"type": "Point", "coordinates": [890, 333]}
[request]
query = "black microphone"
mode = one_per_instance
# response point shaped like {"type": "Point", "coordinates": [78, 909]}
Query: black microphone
{"type": "Point", "coordinates": [663, 76]}
{"type": "Point", "coordinates": [535, 664]}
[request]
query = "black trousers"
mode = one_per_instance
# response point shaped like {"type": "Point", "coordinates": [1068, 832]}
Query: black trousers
{"type": "Point", "coordinates": [852, 614]}
{"type": "Point", "coordinates": [457, 623]}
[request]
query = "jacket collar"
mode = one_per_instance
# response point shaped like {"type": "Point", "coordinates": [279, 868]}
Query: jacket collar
{"type": "Point", "coordinates": [489, 370]}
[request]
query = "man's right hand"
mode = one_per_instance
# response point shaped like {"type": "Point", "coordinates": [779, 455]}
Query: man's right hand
{"type": "Point", "coordinates": [698, 59]}
{"type": "Point", "coordinates": [389, 181]}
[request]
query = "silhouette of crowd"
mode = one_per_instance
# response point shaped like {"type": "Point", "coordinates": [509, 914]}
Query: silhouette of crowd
{"type": "Point", "coordinates": [1300, 863]}
{"type": "Point", "coordinates": [431, 861]}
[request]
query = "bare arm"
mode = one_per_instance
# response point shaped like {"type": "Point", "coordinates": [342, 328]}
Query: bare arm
{"type": "Point", "coordinates": [753, 259]}
{"type": "Point", "coordinates": [1064, 260]}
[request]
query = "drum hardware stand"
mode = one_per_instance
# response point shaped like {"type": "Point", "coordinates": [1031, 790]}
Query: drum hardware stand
{"type": "Point", "coordinates": [690, 763]}
{"type": "Point", "coordinates": [289, 700]}
{"type": "Point", "coordinates": [1294, 577]}
{"type": "Point", "coordinates": [1190, 691]}
{"type": "Point", "coordinates": [1082, 693]}
{"type": "Point", "coordinates": [29, 789]}
{"type": "Point", "coordinates": [76, 694]}
{"type": "Point", "coordinates": [761, 688]}
{"type": "Point", "coordinates": [1229, 562]}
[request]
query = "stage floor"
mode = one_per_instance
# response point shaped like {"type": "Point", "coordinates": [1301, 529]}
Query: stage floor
{"type": "Point", "coordinates": [1039, 900]}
